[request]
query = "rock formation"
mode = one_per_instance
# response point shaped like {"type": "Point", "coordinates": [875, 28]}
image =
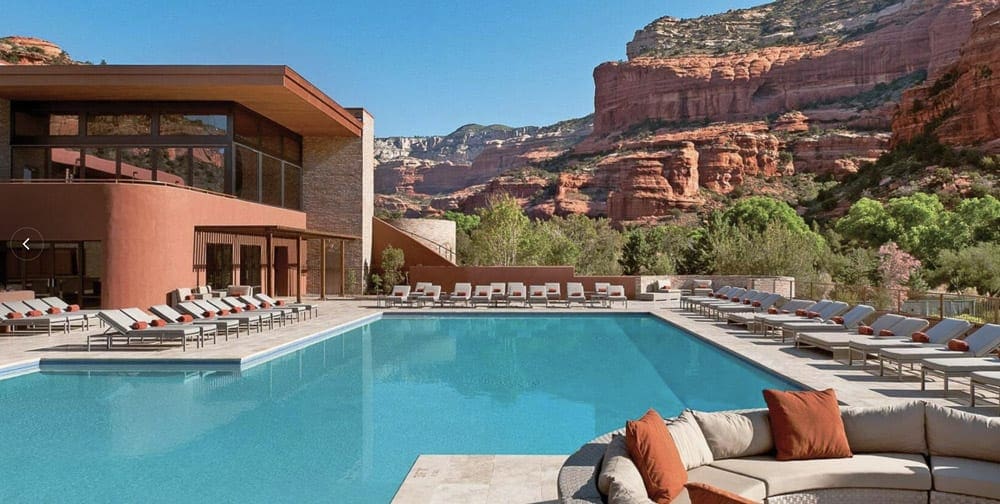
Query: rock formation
{"type": "Point", "coordinates": [17, 50]}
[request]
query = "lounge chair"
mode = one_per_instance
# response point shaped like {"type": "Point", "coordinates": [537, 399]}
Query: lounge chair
{"type": "Point", "coordinates": [838, 323]}
{"type": "Point", "coordinates": [616, 293]}
{"type": "Point", "coordinates": [536, 295]}
{"type": "Point", "coordinates": [226, 326]}
{"type": "Point", "coordinates": [290, 313]}
{"type": "Point", "coordinates": [553, 291]}
{"type": "Point", "coordinates": [199, 310]}
{"type": "Point", "coordinates": [688, 301]}
{"type": "Point", "coordinates": [733, 296]}
{"type": "Point", "coordinates": [744, 303]}
{"type": "Point", "coordinates": [938, 335]}
{"type": "Point", "coordinates": [309, 309]}
{"type": "Point", "coordinates": [432, 294]}
{"type": "Point", "coordinates": [981, 342]}
{"type": "Point", "coordinates": [482, 294]}
{"type": "Point", "coordinates": [16, 314]}
{"type": "Point", "coordinates": [601, 292]}
{"type": "Point", "coordinates": [461, 294]}
{"type": "Point", "coordinates": [65, 307]}
{"type": "Point", "coordinates": [418, 290]}
{"type": "Point", "coordinates": [138, 315]}
{"type": "Point", "coordinates": [987, 379]}
{"type": "Point", "coordinates": [758, 304]}
{"type": "Point", "coordinates": [122, 325]}
{"type": "Point", "coordinates": [831, 340]}
{"type": "Point", "coordinates": [400, 295]}
{"type": "Point", "coordinates": [498, 292]}
{"type": "Point", "coordinates": [575, 294]}
{"type": "Point", "coordinates": [826, 313]}
{"type": "Point", "coordinates": [517, 292]}
{"type": "Point", "coordinates": [234, 305]}
{"type": "Point", "coordinates": [749, 319]}
{"type": "Point", "coordinates": [955, 368]}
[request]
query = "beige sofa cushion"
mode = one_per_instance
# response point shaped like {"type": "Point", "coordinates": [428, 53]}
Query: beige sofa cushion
{"type": "Point", "coordinates": [954, 433]}
{"type": "Point", "coordinates": [966, 476]}
{"type": "Point", "coordinates": [620, 493]}
{"type": "Point", "coordinates": [902, 471]}
{"type": "Point", "coordinates": [689, 440]}
{"type": "Point", "coordinates": [897, 427]}
{"type": "Point", "coordinates": [617, 466]}
{"type": "Point", "coordinates": [736, 434]}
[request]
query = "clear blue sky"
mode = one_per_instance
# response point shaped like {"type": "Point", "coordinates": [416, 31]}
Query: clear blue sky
{"type": "Point", "coordinates": [420, 67]}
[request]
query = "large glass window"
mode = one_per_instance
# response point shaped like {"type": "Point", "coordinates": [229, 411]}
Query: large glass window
{"type": "Point", "coordinates": [29, 163]}
{"type": "Point", "coordinates": [100, 163]}
{"type": "Point", "coordinates": [271, 180]}
{"type": "Point", "coordinates": [293, 187]}
{"type": "Point", "coordinates": [246, 127]}
{"type": "Point", "coordinates": [292, 150]}
{"type": "Point", "coordinates": [118, 124]}
{"type": "Point", "coordinates": [64, 125]}
{"type": "Point", "coordinates": [270, 138]}
{"type": "Point", "coordinates": [250, 265]}
{"type": "Point", "coordinates": [65, 163]}
{"type": "Point", "coordinates": [137, 163]}
{"type": "Point", "coordinates": [193, 124]}
{"type": "Point", "coordinates": [219, 264]}
{"type": "Point", "coordinates": [30, 123]}
{"type": "Point", "coordinates": [246, 174]}
{"type": "Point", "coordinates": [209, 168]}
{"type": "Point", "coordinates": [174, 165]}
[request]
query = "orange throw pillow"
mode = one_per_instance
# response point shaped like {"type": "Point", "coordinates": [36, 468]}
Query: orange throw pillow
{"type": "Point", "coordinates": [73, 308]}
{"type": "Point", "coordinates": [772, 311]}
{"type": "Point", "coordinates": [280, 302]}
{"type": "Point", "coordinates": [838, 320]}
{"type": "Point", "coordinates": [957, 345]}
{"type": "Point", "coordinates": [53, 310]}
{"type": "Point", "coordinates": [886, 332]}
{"type": "Point", "coordinates": [655, 455]}
{"type": "Point", "coordinates": [15, 315]}
{"type": "Point", "coordinates": [34, 313]}
{"type": "Point", "coordinates": [801, 312]}
{"type": "Point", "coordinates": [184, 319]}
{"type": "Point", "coordinates": [703, 493]}
{"type": "Point", "coordinates": [158, 323]}
{"type": "Point", "coordinates": [920, 337]}
{"type": "Point", "coordinates": [863, 329]}
{"type": "Point", "coordinates": [138, 326]}
{"type": "Point", "coordinates": [807, 425]}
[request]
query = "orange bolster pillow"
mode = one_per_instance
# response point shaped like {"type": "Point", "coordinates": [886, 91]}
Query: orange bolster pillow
{"type": "Point", "coordinates": [237, 309]}
{"type": "Point", "coordinates": [552, 291]}
{"type": "Point", "coordinates": [265, 304]}
{"type": "Point", "coordinates": [185, 318]}
{"type": "Point", "coordinates": [73, 308]}
{"type": "Point", "coordinates": [463, 293]}
{"type": "Point", "coordinates": [280, 302]}
{"type": "Point", "coordinates": [886, 332]}
{"type": "Point", "coordinates": [812, 314]}
{"type": "Point", "coordinates": [801, 312]}
{"type": "Point", "coordinates": [517, 293]}
{"type": "Point", "coordinates": [34, 313]}
{"type": "Point", "coordinates": [756, 304]}
{"type": "Point", "coordinates": [223, 312]}
{"type": "Point", "coordinates": [15, 315]}
{"type": "Point", "coordinates": [747, 301]}
{"type": "Point", "coordinates": [208, 314]}
{"type": "Point", "coordinates": [957, 345]}
{"type": "Point", "coordinates": [772, 311]}
{"type": "Point", "coordinates": [158, 323]}
{"type": "Point", "coordinates": [53, 310]}
{"type": "Point", "coordinates": [863, 329]}
{"type": "Point", "coordinates": [837, 320]}
{"type": "Point", "coordinates": [920, 337]}
{"type": "Point", "coordinates": [602, 289]}
{"type": "Point", "coordinates": [251, 307]}
{"type": "Point", "coordinates": [138, 326]}
{"type": "Point", "coordinates": [189, 297]}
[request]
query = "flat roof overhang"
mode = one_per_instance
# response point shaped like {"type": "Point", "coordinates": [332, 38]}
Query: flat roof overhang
{"type": "Point", "coordinates": [274, 91]}
{"type": "Point", "coordinates": [276, 232]}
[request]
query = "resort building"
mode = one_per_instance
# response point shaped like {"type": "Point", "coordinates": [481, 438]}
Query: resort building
{"type": "Point", "coordinates": [119, 184]}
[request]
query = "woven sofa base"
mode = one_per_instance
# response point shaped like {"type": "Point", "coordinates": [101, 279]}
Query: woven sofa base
{"type": "Point", "coordinates": [950, 498]}
{"type": "Point", "coordinates": [852, 495]}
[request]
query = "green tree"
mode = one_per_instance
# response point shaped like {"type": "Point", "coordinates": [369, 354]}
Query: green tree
{"type": "Point", "coordinates": [505, 235]}
{"type": "Point", "coordinates": [392, 267]}
{"type": "Point", "coordinates": [593, 244]}
{"type": "Point", "coordinates": [976, 267]}
{"type": "Point", "coordinates": [869, 223]}
{"type": "Point", "coordinates": [756, 213]}
{"type": "Point", "coordinates": [635, 252]}
{"type": "Point", "coordinates": [982, 216]}
{"type": "Point", "coordinates": [777, 250]}
{"type": "Point", "coordinates": [464, 223]}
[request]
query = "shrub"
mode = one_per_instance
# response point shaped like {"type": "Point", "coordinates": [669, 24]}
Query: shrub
{"type": "Point", "coordinates": [392, 267]}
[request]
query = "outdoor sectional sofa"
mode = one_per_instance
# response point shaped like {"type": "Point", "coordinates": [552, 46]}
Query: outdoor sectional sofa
{"type": "Point", "coordinates": [905, 452]}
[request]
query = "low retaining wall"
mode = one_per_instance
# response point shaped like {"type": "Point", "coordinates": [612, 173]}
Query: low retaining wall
{"type": "Point", "coordinates": [779, 284]}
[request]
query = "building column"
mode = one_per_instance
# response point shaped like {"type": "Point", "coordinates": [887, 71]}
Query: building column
{"type": "Point", "coordinates": [338, 184]}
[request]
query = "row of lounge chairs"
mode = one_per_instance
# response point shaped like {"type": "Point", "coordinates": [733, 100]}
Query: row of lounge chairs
{"type": "Point", "coordinates": [507, 294]}
{"type": "Point", "coordinates": [949, 349]}
{"type": "Point", "coordinates": [45, 315]}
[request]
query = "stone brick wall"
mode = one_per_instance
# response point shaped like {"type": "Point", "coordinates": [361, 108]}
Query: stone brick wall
{"type": "Point", "coordinates": [438, 234]}
{"type": "Point", "coordinates": [5, 156]}
{"type": "Point", "coordinates": [338, 196]}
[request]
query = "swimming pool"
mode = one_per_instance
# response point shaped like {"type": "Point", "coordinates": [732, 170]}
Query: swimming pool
{"type": "Point", "coordinates": [343, 420]}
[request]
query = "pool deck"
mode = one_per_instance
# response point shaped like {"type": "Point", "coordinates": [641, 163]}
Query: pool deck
{"type": "Point", "coordinates": [487, 478]}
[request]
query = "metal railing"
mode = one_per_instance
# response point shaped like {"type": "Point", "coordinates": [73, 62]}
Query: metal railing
{"type": "Point", "coordinates": [441, 249]}
{"type": "Point", "coordinates": [977, 309]}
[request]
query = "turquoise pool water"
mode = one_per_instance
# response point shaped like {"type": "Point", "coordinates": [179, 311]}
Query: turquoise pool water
{"type": "Point", "coordinates": [342, 420]}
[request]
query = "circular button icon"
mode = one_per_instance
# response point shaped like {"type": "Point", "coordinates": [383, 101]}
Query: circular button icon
{"type": "Point", "coordinates": [26, 243]}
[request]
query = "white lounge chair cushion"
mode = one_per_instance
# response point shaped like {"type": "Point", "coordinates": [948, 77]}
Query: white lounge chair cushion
{"type": "Point", "coordinates": [903, 471]}
{"type": "Point", "coordinates": [966, 476]}
{"type": "Point", "coordinates": [617, 466]}
{"type": "Point", "coordinates": [897, 427]}
{"type": "Point", "coordinates": [736, 434]}
{"type": "Point", "coordinates": [690, 442]}
{"type": "Point", "coordinates": [954, 433]}
{"type": "Point", "coordinates": [963, 364]}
